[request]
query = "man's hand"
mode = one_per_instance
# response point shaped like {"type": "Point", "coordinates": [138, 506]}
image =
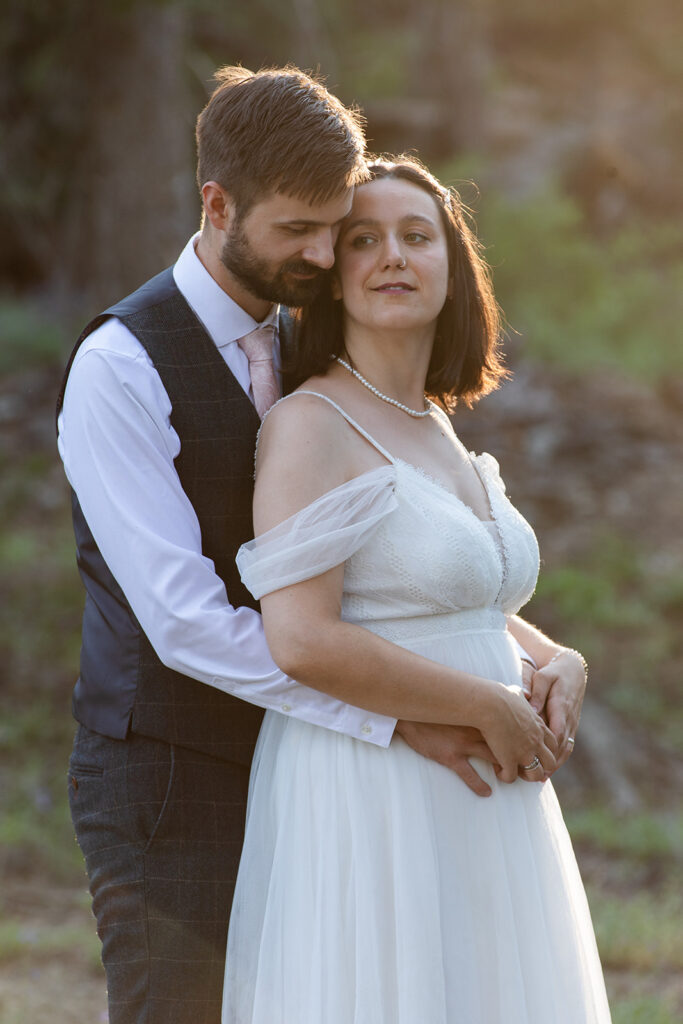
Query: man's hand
{"type": "Point", "coordinates": [557, 693]}
{"type": "Point", "coordinates": [450, 745]}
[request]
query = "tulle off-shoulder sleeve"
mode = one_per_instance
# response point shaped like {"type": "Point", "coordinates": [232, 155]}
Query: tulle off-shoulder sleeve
{"type": "Point", "coordinates": [320, 536]}
{"type": "Point", "coordinates": [489, 469]}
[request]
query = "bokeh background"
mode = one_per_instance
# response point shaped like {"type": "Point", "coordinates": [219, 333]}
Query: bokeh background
{"type": "Point", "coordinates": [567, 117]}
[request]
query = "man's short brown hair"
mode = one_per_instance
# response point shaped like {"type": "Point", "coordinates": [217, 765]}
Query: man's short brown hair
{"type": "Point", "coordinates": [278, 130]}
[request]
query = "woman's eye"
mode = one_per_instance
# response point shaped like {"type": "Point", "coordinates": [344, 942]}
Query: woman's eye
{"type": "Point", "coordinates": [361, 241]}
{"type": "Point", "coordinates": [416, 236]}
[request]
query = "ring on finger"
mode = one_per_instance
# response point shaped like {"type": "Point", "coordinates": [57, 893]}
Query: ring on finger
{"type": "Point", "coordinates": [570, 740]}
{"type": "Point", "coordinates": [536, 763]}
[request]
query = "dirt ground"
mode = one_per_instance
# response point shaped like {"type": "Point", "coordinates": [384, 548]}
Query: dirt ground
{"type": "Point", "coordinates": [49, 953]}
{"type": "Point", "coordinates": [47, 993]}
{"type": "Point", "coordinates": [51, 972]}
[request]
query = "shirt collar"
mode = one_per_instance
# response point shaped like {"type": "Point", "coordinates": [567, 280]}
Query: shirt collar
{"type": "Point", "coordinates": [223, 319]}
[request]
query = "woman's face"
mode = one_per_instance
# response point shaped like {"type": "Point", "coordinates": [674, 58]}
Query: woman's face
{"type": "Point", "coordinates": [392, 257]}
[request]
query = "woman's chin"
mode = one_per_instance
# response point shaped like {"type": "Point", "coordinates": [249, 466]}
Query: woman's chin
{"type": "Point", "coordinates": [398, 320]}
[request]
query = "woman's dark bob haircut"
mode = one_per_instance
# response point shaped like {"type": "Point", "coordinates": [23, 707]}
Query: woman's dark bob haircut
{"type": "Point", "coordinates": [466, 362]}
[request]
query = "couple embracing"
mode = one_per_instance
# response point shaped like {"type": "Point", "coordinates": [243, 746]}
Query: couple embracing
{"type": "Point", "coordinates": [404, 859]}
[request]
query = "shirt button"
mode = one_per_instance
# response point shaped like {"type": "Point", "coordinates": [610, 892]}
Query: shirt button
{"type": "Point", "coordinates": [366, 729]}
{"type": "Point", "coordinates": [286, 707]}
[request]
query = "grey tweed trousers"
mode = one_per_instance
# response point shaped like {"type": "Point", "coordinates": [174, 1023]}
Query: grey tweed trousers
{"type": "Point", "coordinates": [161, 830]}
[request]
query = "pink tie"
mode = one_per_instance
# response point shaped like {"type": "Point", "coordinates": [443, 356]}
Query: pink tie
{"type": "Point", "coordinates": [258, 348]}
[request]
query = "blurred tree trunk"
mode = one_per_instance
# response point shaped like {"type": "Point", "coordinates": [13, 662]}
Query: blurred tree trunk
{"type": "Point", "coordinates": [312, 36]}
{"type": "Point", "coordinates": [132, 200]}
{"type": "Point", "coordinates": [453, 69]}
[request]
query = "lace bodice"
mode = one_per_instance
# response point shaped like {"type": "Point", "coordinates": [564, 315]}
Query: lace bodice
{"type": "Point", "coordinates": [411, 548]}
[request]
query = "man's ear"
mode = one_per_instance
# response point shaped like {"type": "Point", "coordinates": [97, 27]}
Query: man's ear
{"type": "Point", "coordinates": [219, 207]}
{"type": "Point", "coordinates": [336, 288]}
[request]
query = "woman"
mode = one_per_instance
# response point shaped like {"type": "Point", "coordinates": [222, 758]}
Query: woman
{"type": "Point", "coordinates": [374, 887]}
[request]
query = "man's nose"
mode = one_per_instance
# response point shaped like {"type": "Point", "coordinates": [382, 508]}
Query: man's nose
{"type": "Point", "coordinates": [320, 251]}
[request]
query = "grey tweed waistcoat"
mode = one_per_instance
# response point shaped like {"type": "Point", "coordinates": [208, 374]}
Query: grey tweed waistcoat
{"type": "Point", "coordinates": [122, 684]}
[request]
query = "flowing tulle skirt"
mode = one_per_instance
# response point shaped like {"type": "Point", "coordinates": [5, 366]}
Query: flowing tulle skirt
{"type": "Point", "coordinates": [375, 888]}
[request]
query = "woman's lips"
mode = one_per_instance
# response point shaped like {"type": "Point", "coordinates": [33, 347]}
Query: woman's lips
{"type": "Point", "coordinates": [394, 286]}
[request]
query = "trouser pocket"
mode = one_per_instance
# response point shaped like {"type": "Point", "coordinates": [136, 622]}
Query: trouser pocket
{"type": "Point", "coordinates": [119, 790]}
{"type": "Point", "coordinates": [150, 781]}
{"type": "Point", "coordinates": [95, 791]}
{"type": "Point", "coordinates": [82, 773]}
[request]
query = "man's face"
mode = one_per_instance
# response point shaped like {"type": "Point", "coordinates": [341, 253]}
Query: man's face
{"type": "Point", "coordinates": [280, 250]}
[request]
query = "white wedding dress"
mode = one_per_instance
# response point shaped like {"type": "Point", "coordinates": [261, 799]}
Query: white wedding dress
{"type": "Point", "coordinates": [374, 886]}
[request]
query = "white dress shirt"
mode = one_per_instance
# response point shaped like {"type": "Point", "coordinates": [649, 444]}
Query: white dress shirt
{"type": "Point", "coordinates": [118, 447]}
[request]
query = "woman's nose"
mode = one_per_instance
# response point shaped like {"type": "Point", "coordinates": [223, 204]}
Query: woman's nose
{"type": "Point", "coordinates": [393, 253]}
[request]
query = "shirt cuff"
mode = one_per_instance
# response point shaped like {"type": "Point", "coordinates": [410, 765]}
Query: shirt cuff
{"type": "Point", "coordinates": [331, 714]}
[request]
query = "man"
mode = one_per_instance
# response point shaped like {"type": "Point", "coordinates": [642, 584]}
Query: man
{"type": "Point", "coordinates": [161, 406]}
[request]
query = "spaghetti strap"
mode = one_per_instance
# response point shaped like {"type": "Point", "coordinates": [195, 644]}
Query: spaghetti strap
{"type": "Point", "coordinates": [356, 426]}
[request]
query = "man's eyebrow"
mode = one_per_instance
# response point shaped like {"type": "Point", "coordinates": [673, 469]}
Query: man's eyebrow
{"type": "Point", "coordinates": [304, 223]}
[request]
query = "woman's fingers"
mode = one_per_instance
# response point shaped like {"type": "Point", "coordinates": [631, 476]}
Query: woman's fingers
{"type": "Point", "coordinates": [548, 757]}
{"type": "Point", "coordinates": [549, 739]}
{"type": "Point", "coordinates": [508, 771]}
{"type": "Point", "coordinates": [541, 681]}
{"type": "Point", "coordinates": [542, 763]}
{"type": "Point", "coordinates": [562, 699]}
{"type": "Point", "coordinates": [533, 774]}
{"type": "Point", "coordinates": [566, 749]}
{"type": "Point", "coordinates": [543, 758]}
{"type": "Point", "coordinates": [521, 741]}
{"type": "Point", "coordinates": [527, 679]}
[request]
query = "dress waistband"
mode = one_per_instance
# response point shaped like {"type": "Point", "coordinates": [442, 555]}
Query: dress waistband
{"type": "Point", "coordinates": [418, 627]}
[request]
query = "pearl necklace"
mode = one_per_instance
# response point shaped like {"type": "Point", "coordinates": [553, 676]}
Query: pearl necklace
{"type": "Point", "coordinates": [385, 398]}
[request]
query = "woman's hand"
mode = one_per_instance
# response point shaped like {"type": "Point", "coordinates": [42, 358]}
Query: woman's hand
{"type": "Point", "coordinates": [517, 736]}
{"type": "Point", "coordinates": [557, 692]}
{"type": "Point", "coordinates": [527, 677]}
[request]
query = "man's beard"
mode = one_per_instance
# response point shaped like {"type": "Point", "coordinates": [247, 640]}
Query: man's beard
{"type": "Point", "coordinates": [257, 276]}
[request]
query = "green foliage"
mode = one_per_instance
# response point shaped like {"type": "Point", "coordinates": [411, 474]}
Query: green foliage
{"type": "Point", "coordinates": [635, 836]}
{"type": "Point", "coordinates": [40, 847]}
{"type": "Point", "coordinates": [42, 606]}
{"type": "Point", "coordinates": [28, 337]}
{"type": "Point", "coordinates": [643, 1010]}
{"type": "Point", "coordinates": [19, 940]}
{"type": "Point", "coordinates": [625, 615]}
{"type": "Point", "coordinates": [581, 595]}
{"type": "Point", "coordinates": [613, 587]}
{"type": "Point", "coordinates": [640, 932]}
{"type": "Point", "coordinates": [578, 301]}
{"type": "Point", "coordinates": [379, 60]}
{"type": "Point", "coordinates": [36, 836]}
{"type": "Point", "coordinates": [581, 302]}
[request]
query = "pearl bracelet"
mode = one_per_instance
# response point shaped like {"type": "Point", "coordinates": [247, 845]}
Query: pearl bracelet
{"type": "Point", "coordinates": [570, 650]}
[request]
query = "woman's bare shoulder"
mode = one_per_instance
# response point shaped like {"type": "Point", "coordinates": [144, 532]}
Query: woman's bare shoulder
{"type": "Point", "coordinates": [301, 419]}
{"type": "Point", "coordinates": [304, 451]}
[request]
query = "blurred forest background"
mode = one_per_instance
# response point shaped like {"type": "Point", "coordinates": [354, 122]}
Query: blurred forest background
{"type": "Point", "coordinates": [565, 116]}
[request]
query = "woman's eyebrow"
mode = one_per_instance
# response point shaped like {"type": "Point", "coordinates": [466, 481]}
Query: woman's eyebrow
{"type": "Point", "coordinates": [373, 222]}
